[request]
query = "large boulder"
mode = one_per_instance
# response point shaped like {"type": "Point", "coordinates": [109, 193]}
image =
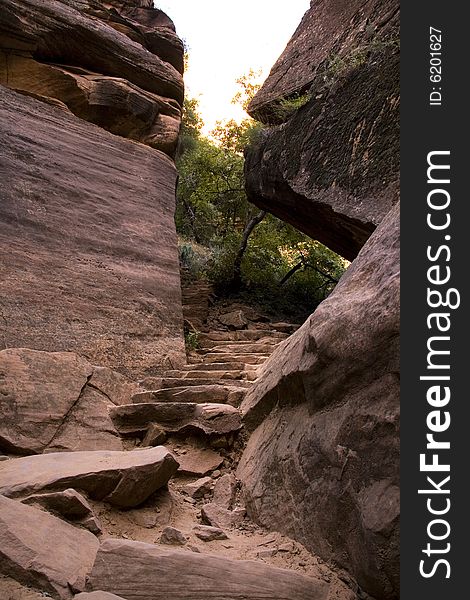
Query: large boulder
{"type": "Point", "coordinates": [124, 479]}
{"type": "Point", "coordinates": [135, 571]}
{"type": "Point", "coordinates": [42, 551]}
{"type": "Point", "coordinates": [322, 462]}
{"type": "Point", "coordinates": [57, 401]}
{"type": "Point", "coordinates": [88, 245]}
{"type": "Point", "coordinates": [330, 163]}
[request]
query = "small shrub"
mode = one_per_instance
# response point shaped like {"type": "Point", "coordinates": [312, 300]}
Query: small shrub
{"type": "Point", "coordinates": [194, 258]}
{"type": "Point", "coordinates": [288, 106]}
{"type": "Point", "coordinates": [337, 66]}
{"type": "Point", "coordinates": [191, 339]}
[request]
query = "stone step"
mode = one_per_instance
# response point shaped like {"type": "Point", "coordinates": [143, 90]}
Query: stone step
{"type": "Point", "coordinates": [285, 327]}
{"type": "Point", "coordinates": [177, 418]}
{"type": "Point", "coordinates": [159, 383]}
{"type": "Point", "coordinates": [265, 341]}
{"type": "Point", "coordinates": [198, 394]}
{"type": "Point", "coordinates": [222, 375]}
{"type": "Point", "coordinates": [242, 335]}
{"type": "Point", "coordinates": [240, 348]}
{"type": "Point", "coordinates": [229, 365]}
{"type": "Point", "coordinates": [219, 357]}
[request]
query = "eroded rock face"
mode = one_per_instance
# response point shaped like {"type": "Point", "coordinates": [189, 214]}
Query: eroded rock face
{"type": "Point", "coordinates": [332, 167]}
{"type": "Point", "coordinates": [124, 479]}
{"type": "Point", "coordinates": [116, 64]}
{"type": "Point", "coordinates": [57, 401]}
{"type": "Point", "coordinates": [70, 505]}
{"type": "Point", "coordinates": [135, 570]}
{"type": "Point", "coordinates": [322, 462]}
{"type": "Point", "coordinates": [88, 253]}
{"type": "Point", "coordinates": [40, 550]}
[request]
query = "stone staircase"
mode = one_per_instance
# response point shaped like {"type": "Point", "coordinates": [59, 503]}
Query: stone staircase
{"type": "Point", "coordinates": [194, 410]}
{"type": "Point", "coordinates": [167, 509]}
{"type": "Point", "coordinates": [196, 298]}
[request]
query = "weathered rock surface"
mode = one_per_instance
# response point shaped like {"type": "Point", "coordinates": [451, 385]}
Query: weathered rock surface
{"type": "Point", "coordinates": [199, 461]}
{"type": "Point", "coordinates": [135, 571]}
{"type": "Point", "coordinates": [199, 488]}
{"type": "Point", "coordinates": [176, 417]}
{"type": "Point", "coordinates": [234, 320]}
{"type": "Point", "coordinates": [332, 168]}
{"type": "Point", "coordinates": [97, 596]}
{"type": "Point", "coordinates": [108, 64]}
{"type": "Point", "coordinates": [173, 537]}
{"type": "Point", "coordinates": [206, 533]}
{"type": "Point", "coordinates": [124, 479]}
{"type": "Point", "coordinates": [225, 491]}
{"type": "Point", "coordinates": [57, 401]}
{"type": "Point", "coordinates": [155, 436]}
{"type": "Point", "coordinates": [196, 394]}
{"type": "Point", "coordinates": [216, 516]}
{"type": "Point", "coordinates": [88, 253]}
{"type": "Point", "coordinates": [40, 550]}
{"type": "Point", "coordinates": [113, 385]}
{"type": "Point", "coordinates": [325, 415]}
{"type": "Point", "coordinates": [69, 504]}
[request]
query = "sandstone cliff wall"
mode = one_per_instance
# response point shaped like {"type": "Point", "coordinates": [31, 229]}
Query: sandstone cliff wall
{"type": "Point", "coordinates": [331, 166]}
{"type": "Point", "coordinates": [322, 461]}
{"type": "Point", "coordinates": [90, 113]}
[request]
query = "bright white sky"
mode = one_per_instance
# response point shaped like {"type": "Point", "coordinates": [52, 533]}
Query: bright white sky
{"type": "Point", "coordinates": [227, 38]}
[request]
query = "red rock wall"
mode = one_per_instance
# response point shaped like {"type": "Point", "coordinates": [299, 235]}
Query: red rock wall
{"type": "Point", "coordinates": [322, 462]}
{"type": "Point", "coordinates": [88, 248]}
{"type": "Point", "coordinates": [327, 160]}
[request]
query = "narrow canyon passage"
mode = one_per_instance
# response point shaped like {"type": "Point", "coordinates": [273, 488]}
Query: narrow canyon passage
{"type": "Point", "coordinates": [198, 399]}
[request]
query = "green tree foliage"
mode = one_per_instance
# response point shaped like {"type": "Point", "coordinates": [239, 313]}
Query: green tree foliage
{"type": "Point", "coordinates": [248, 85]}
{"type": "Point", "coordinates": [211, 198]}
{"type": "Point", "coordinates": [219, 229]}
{"type": "Point", "coordinates": [192, 124]}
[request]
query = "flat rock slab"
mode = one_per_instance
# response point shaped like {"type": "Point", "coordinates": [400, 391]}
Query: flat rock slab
{"type": "Point", "coordinates": [138, 571]}
{"type": "Point", "coordinates": [209, 534]}
{"type": "Point", "coordinates": [216, 516]}
{"type": "Point", "coordinates": [124, 479]}
{"type": "Point", "coordinates": [175, 417]}
{"type": "Point", "coordinates": [199, 488]}
{"type": "Point", "coordinates": [218, 366]}
{"type": "Point", "coordinates": [40, 550]}
{"type": "Point", "coordinates": [98, 596]}
{"type": "Point", "coordinates": [199, 461]}
{"type": "Point", "coordinates": [196, 394]}
{"type": "Point", "coordinates": [246, 359]}
{"type": "Point", "coordinates": [235, 320]}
